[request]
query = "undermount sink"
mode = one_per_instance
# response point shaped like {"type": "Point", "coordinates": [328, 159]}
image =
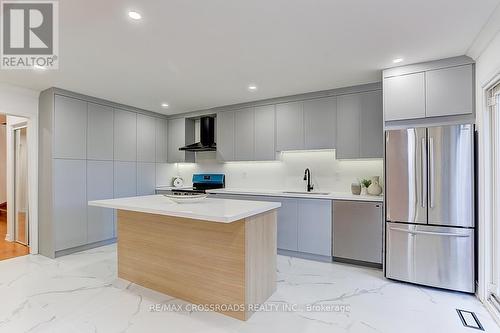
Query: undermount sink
{"type": "Point", "coordinates": [305, 192]}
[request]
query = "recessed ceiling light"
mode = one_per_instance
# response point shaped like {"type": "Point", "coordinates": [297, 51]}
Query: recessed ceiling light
{"type": "Point", "coordinates": [134, 15]}
{"type": "Point", "coordinates": [252, 87]}
{"type": "Point", "coordinates": [40, 68]}
{"type": "Point", "coordinates": [164, 105]}
{"type": "Point", "coordinates": [397, 60]}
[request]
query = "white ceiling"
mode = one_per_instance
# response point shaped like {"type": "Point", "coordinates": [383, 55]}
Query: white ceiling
{"type": "Point", "coordinates": [201, 54]}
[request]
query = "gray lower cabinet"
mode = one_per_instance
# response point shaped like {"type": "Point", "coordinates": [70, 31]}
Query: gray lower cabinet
{"type": "Point", "coordinates": [70, 137]}
{"type": "Point", "coordinates": [180, 132]}
{"type": "Point", "coordinates": [315, 226]}
{"type": "Point", "coordinates": [358, 231]}
{"type": "Point", "coordinates": [146, 178]}
{"type": "Point", "coordinates": [404, 97]}
{"type": "Point", "coordinates": [70, 203]}
{"type": "Point", "coordinates": [304, 225]}
{"type": "Point", "coordinates": [320, 123]}
{"type": "Point", "coordinates": [289, 126]}
{"type": "Point", "coordinates": [146, 137]}
{"type": "Point", "coordinates": [100, 221]}
{"type": "Point", "coordinates": [100, 132]}
{"type": "Point", "coordinates": [449, 91]}
{"type": "Point", "coordinates": [125, 179]}
{"type": "Point", "coordinates": [125, 136]}
{"type": "Point", "coordinates": [265, 130]}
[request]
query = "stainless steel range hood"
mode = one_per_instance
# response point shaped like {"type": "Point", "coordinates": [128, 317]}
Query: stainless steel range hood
{"type": "Point", "coordinates": [207, 136]}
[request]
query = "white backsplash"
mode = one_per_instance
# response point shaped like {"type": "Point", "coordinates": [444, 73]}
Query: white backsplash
{"type": "Point", "coordinates": [328, 174]}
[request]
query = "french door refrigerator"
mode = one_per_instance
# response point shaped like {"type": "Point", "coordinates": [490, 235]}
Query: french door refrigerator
{"type": "Point", "coordinates": [430, 206]}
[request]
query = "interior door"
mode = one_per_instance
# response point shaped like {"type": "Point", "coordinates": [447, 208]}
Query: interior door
{"type": "Point", "coordinates": [21, 186]}
{"type": "Point", "coordinates": [406, 175]}
{"type": "Point", "coordinates": [451, 191]}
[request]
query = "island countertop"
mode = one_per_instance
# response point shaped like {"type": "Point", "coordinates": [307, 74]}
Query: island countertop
{"type": "Point", "coordinates": [210, 209]}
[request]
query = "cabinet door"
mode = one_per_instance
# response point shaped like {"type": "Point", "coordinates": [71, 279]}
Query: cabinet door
{"type": "Point", "coordinates": [244, 130]}
{"type": "Point", "coordinates": [161, 140]}
{"type": "Point", "coordinates": [449, 91]}
{"type": "Point", "coordinates": [146, 137]}
{"type": "Point", "coordinates": [70, 203]}
{"type": "Point", "coordinates": [371, 127]}
{"type": "Point", "coordinates": [99, 186]}
{"type": "Point", "coordinates": [146, 178]}
{"type": "Point", "coordinates": [358, 231]}
{"type": "Point", "coordinates": [177, 132]}
{"type": "Point", "coordinates": [320, 121]}
{"type": "Point", "coordinates": [100, 132]}
{"type": "Point", "coordinates": [315, 226]}
{"type": "Point", "coordinates": [289, 126]}
{"type": "Point", "coordinates": [225, 136]}
{"type": "Point", "coordinates": [287, 224]}
{"type": "Point", "coordinates": [70, 128]}
{"type": "Point", "coordinates": [404, 97]}
{"type": "Point", "coordinates": [348, 123]}
{"type": "Point", "coordinates": [125, 136]}
{"type": "Point", "coordinates": [265, 133]}
{"type": "Point", "coordinates": [125, 179]}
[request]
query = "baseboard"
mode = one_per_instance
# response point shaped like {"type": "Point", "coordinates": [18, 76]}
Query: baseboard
{"type": "Point", "coordinates": [8, 238]}
{"type": "Point", "coordinates": [65, 252]}
{"type": "Point", "coordinates": [303, 255]}
{"type": "Point", "coordinates": [358, 262]}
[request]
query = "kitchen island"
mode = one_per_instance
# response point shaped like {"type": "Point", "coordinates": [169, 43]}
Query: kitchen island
{"type": "Point", "coordinates": [217, 252]}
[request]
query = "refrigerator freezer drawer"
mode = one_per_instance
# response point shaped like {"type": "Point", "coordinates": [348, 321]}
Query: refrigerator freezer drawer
{"type": "Point", "coordinates": [434, 256]}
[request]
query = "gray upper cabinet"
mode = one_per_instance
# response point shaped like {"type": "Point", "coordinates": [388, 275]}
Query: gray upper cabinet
{"type": "Point", "coordinates": [125, 136]}
{"type": "Point", "coordinates": [70, 203]}
{"type": "Point", "coordinates": [180, 131]}
{"type": "Point", "coordinates": [320, 118]}
{"type": "Point", "coordinates": [360, 128]}
{"type": "Point", "coordinates": [161, 140]}
{"type": "Point", "coordinates": [70, 130]}
{"type": "Point", "coordinates": [265, 142]}
{"type": "Point", "coordinates": [372, 125]}
{"type": "Point", "coordinates": [146, 178]}
{"type": "Point", "coordinates": [404, 97]}
{"type": "Point", "coordinates": [125, 179]}
{"type": "Point", "coordinates": [146, 137]}
{"type": "Point", "coordinates": [244, 135]}
{"type": "Point", "coordinates": [100, 221]}
{"type": "Point", "coordinates": [348, 129]}
{"type": "Point", "coordinates": [449, 91]}
{"type": "Point", "coordinates": [289, 126]}
{"type": "Point", "coordinates": [225, 136]}
{"type": "Point", "coordinates": [315, 226]}
{"type": "Point", "coordinates": [100, 132]}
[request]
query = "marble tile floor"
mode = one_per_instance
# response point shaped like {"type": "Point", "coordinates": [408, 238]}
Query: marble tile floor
{"type": "Point", "coordinates": [81, 293]}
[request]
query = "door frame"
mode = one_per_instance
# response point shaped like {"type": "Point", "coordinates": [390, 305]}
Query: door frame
{"type": "Point", "coordinates": [16, 127]}
{"type": "Point", "coordinates": [485, 198]}
{"type": "Point", "coordinates": [31, 123]}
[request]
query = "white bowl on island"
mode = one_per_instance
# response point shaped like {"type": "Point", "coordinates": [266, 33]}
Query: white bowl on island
{"type": "Point", "coordinates": [182, 198]}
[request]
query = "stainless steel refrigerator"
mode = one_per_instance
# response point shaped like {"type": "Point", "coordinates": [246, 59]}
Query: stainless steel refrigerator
{"type": "Point", "coordinates": [430, 206]}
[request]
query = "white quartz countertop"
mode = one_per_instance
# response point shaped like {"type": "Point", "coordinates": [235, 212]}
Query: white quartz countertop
{"type": "Point", "coordinates": [312, 195]}
{"type": "Point", "coordinates": [209, 209]}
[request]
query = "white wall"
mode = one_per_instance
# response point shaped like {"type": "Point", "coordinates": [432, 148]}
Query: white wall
{"type": "Point", "coordinates": [328, 174]}
{"type": "Point", "coordinates": [18, 101]}
{"type": "Point", "coordinates": [486, 51]}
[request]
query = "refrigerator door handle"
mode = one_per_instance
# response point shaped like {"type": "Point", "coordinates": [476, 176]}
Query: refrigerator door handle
{"type": "Point", "coordinates": [431, 172]}
{"type": "Point", "coordinates": [423, 172]}
{"type": "Point", "coordinates": [415, 232]}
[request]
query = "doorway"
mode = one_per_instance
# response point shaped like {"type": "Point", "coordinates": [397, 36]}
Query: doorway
{"type": "Point", "coordinates": [14, 235]}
